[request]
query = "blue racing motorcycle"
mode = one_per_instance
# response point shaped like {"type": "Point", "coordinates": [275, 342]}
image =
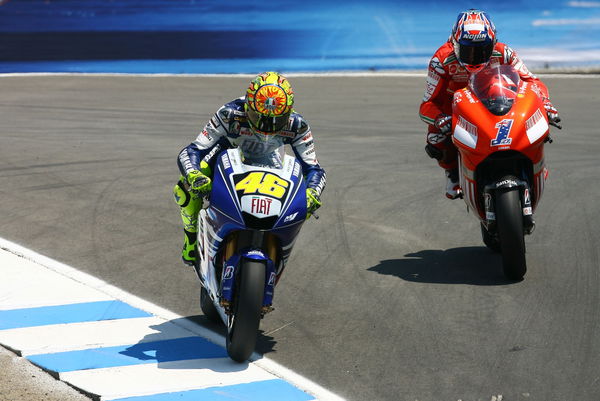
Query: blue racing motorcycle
{"type": "Point", "coordinates": [245, 237]}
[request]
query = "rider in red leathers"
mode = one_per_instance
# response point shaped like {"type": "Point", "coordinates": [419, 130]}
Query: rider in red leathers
{"type": "Point", "coordinates": [471, 46]}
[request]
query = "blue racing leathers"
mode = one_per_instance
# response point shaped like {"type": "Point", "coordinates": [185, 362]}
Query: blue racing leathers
{"type": "Point", "coordinates": [229, 127]}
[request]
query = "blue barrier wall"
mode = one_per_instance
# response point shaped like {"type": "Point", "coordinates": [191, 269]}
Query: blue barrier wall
{"type": "Point", "coordinates": [193, 36]}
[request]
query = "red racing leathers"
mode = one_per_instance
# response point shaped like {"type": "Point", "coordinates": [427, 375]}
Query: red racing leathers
{"type": "Point", "coordinates": [445, 76]}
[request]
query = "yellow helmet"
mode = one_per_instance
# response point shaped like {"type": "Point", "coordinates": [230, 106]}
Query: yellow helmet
{"type": "Point", "coordinates": [269, 101]}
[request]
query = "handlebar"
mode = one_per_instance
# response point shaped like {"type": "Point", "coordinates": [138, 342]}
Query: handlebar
{"type": "Point", "coordinates": [555, 124]}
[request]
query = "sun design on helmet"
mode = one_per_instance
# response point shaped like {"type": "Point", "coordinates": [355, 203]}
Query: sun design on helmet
{"type": "Point", "coordinates": [270, 100]}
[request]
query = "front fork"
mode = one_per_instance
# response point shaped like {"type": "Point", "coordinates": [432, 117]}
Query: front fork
{"type": "Point", "coordinates": [233, 260]}
{"type": "Point", "coordinates": [525, 195]}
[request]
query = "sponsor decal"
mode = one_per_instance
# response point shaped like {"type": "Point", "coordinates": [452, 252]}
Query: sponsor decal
{"type": "Point", "coordinates": [526, 197]}
{"type": "Point", "coordinates": [271, 279]}
{"type": "Point", "coordinates": [508, 183]}
{"type": "Point", "coordinates": [436, 66]}
{"type": "Point", "coordinates": [469, 96]}
{"type": "Point", "coordinates": [228, 272]}
{"type": "Point", "coordinates": [523, 87]}
{"type": "Point", "coordinates": [432, 81]}
{"type": "Point", "coordinates": [290, 217]}
{"type": "Point", "coordinates": [286, 134]}
{"type": "Point", "coordinates": [458, 97]}
{"type": "Point", "coordinates": [502, 136]}
{"type": "Point", "coordinates": [475, 37]}
{"type": "Point", "coordinates": [307, 137]}
{"type": "Point", "coordinates": [214, 121]}
{"type": "Point", "coordinates": [536, 89]}
{"type": "Point", "coordinates": [261, 205]}
{"type": "Point", "coordinates": [470, 128]}
{"type": "Point", "coordinates": [435, 137]}
{"type": "Point", "coordinates": [458, 72]}
{"type": "Point", "coordinates": [487, 200]}
{"type": "Point", "coordinates": [531, 121]}
{"type": "Point", "coordinates": [296, 172]}
{"type": "Point", "coordinates": [225, 161]}
{"type": "Point", "coordinates": [527, 211]}
{"type": "Point", "coordinates": [206, 135]}
{"type": "Point", "coordinates": [254, 147]}
{"type": "Point", "coordinates": [256, 252]}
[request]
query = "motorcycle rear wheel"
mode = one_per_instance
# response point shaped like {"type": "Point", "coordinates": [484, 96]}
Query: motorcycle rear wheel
{"type": "Point", "coordinates": [509, 218]}
{"type": "Point", "coordinates": [242, 327]}
{"type": "Point", "coordinates": [208, 308]}
{"type": "Point", "coordinates": [489, 240]}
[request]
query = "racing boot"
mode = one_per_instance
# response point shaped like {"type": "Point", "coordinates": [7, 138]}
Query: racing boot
{"type": "Point", "coordinates": [190, 248]}
{"type": "Point", "coordinates": [190, 206]}
{"type": "Point", "coordinates": [453, 189]}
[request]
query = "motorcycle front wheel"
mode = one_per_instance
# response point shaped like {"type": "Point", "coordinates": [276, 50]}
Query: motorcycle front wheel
{"type": "Point", "coordinates": [509, 216]}
{"type": "Point", "coordinates": [242, 327]}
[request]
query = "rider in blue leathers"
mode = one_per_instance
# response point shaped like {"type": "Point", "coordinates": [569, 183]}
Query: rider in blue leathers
{"type": "Point", "coordinates": [259, 123]}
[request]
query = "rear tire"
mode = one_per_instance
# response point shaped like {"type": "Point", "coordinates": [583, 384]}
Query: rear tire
{"type": "Point", "coordinates": [509, 217]}
{"type": "Point", "coordinates": [492, 242]}
{"type": "Point", "coordinates": [242, 328]}
{"type": "Point", "coordinates": [208, 308]}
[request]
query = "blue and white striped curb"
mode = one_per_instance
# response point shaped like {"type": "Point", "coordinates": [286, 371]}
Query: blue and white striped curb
{"type": "Point", "coordinates": [112, 345]}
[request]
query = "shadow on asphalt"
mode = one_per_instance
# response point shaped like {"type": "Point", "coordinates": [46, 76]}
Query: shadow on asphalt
{"type": "Point", "coordinates": [264, 343]}
{"type": "Point", "coordinates": [467, 265]}
{"type": "Point", "coordinates": [159, 347]}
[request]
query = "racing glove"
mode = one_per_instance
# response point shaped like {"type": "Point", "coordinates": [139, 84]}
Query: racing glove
{"type": "Point", "coordinates": [443, 122]}
{"type": "Point", "coordinates": [200, 184]}
{"type": "Point", "coordinates": [313, 201]}
{"type": "Point", "coordinates": [552, 112]}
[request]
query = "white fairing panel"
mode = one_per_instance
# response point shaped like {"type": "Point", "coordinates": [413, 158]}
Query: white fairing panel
{"type": "Point", "coordinates": [465, 137]}
{"type": "Point", "coordinates": [537, 126]}
{"type": "Point", "coordinates": [261, 206]}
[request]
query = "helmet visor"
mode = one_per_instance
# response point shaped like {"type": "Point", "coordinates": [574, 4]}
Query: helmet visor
{"type": "Point", "coordinates": [475, 55]}
{"type": "Point", "coordinates": [267, 124]}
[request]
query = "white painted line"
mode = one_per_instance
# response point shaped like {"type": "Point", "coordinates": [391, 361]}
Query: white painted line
{"type": "Point", "coordinates": [79, 336]}
{"type": "Point", "coordinates": [564, 73]}
{"type": "Point", "coordinates": [97, 285]}
{"type": "Point", "coordinates": [32, 286]}
{"type": "Point", "coordinates": [245, 76]}
{"type": "Point", "coordinates": [131, 381]}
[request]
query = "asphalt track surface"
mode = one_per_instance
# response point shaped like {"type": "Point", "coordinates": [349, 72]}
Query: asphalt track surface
{"type": "Point", "coordinates": [390, 295]}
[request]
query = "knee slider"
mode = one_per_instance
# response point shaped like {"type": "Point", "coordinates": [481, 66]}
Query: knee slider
{"type": "Point", "coordinates": [181, 195]}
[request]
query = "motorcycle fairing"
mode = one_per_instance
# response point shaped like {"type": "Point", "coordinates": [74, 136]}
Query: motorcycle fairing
{"type": "Point", "coordinates": [225, 216]}
{"type": "Point", "coordinates": [479, 133]}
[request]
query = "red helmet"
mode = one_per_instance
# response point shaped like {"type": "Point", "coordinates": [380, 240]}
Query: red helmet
{"type": "Point", "coordinates": [473, 37]}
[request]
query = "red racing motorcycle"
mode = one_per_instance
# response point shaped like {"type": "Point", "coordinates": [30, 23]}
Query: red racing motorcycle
{"type": "Point", "coordinates": [500, 127]}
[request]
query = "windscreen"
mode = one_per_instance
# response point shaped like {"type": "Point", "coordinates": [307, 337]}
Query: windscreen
{"type": "Point", "coordinates": [271, 157]}
{"type": "Point", "coordinates": [496, 87]}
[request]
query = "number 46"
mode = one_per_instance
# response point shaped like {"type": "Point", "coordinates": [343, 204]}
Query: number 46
{"type": "Point", "coordinates": [266, 184]}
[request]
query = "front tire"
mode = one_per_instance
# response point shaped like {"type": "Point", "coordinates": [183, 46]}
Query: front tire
{"type": "Point", "coordinates": [242, 327]}
{"type": "Point", "coordinates": [509, 217]}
